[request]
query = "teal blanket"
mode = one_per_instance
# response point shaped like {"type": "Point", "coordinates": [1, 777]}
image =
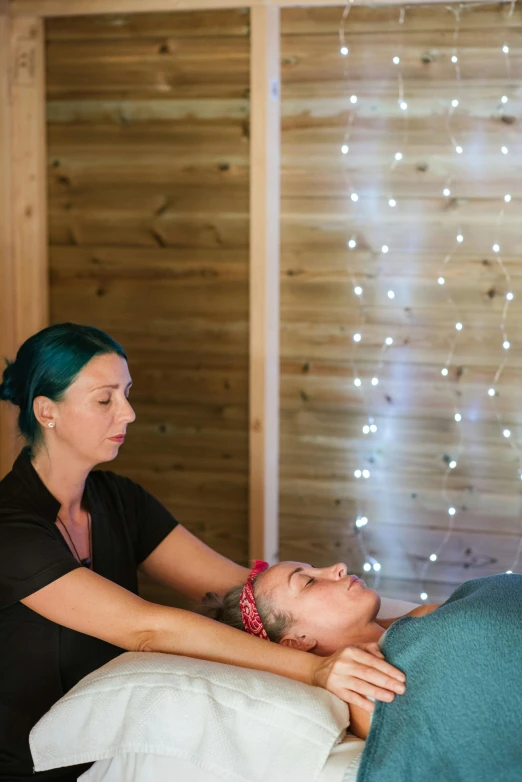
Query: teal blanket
{"type": "Point", "coordinates": [460, 719]}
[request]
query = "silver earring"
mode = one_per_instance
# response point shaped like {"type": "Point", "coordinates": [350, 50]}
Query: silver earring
{"type": "Point", "coordinates": [51, 424]}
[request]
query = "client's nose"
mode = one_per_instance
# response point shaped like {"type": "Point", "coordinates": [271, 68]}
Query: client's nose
{"type": "Point", "coordinates": [339, 570]}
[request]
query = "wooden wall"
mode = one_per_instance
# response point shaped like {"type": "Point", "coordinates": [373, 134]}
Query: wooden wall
{"type": "Point", "coordinates": [148, 190]}
{"type": "Point", "coordinates": [148, 145]}
{"type": "Point", "coordinates": [322, 412]}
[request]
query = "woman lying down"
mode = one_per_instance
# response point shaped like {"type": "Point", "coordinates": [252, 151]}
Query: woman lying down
{"type": "Point", "coordinates": [461, 716]}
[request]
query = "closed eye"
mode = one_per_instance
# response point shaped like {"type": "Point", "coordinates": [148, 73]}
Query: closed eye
{"type": "Point", "coordinates": [310, 581]}
{"type": "Point", "coordinates": [108, 400]}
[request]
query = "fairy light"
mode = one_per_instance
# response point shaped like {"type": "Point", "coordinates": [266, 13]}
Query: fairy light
{"type": "Point", "coordinates": [506, 433]}
{"type": "Point", "coordinates": [369, 562]}
{"type": "Point", "coordinates": [370, 427]}
{"type": "Point", "coordinates": [496, 248]}
{"type": "Point", "coordinates": [375, 381]}
{"type": "Point", "coordinates": [451, 464]}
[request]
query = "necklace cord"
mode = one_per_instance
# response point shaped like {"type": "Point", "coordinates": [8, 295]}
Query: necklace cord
{"type": "Point", "coordinates": [87, 561]}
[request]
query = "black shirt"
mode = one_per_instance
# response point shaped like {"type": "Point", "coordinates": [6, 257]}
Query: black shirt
{"type": "Point", "coordinates": [39, 659]}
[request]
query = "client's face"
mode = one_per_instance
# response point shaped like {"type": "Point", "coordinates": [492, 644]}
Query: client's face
{"type": "Point", "coordinates": [331, 608]}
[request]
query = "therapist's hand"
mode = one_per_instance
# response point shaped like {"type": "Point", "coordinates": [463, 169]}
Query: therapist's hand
{"type": "Point", "coordinates": [356, 672]}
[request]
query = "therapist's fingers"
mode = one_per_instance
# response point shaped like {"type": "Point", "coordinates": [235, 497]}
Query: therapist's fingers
{"type": "Point", "coordinates": [364, 681]}
{"type": "Point", "coordinates": [357, 700]}
{"type": "Point", "coordinates": [354, 653]}
{"type": "Point", "coordinates": [353, 670]}
{"type": "Point", "coordinates": [373, 648]}
{"type": "Point", "coordinates": [362, 687]}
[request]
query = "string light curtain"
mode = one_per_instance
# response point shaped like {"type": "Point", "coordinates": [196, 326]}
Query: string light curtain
{"type": "Point", "coordinates": [365, 382]}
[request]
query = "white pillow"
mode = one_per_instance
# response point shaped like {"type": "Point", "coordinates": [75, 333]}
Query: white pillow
{"type": "Point", "coordinates": [231, 722]}
{"type": "Point", "coordinates": [391, 608]}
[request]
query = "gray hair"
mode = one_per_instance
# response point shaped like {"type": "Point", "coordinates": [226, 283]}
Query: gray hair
{"type": "Point", "coordinates": [226, 610]}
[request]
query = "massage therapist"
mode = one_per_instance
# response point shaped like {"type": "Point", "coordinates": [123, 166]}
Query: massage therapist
{"type": "Point", "coordinates": [72, 540]}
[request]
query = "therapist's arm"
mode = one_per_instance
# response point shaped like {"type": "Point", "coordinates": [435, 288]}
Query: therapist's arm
{"type": "Point", "coordinates": [184, 563]}
{"type": "Point", "coordinates": [360, 722]}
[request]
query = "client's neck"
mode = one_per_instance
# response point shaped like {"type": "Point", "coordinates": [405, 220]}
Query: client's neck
{"type": "Point", "coordinates": [367, 634]}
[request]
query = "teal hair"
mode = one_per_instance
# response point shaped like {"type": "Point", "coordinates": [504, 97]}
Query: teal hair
{"type": "Point", "coordinates": [46, 365]}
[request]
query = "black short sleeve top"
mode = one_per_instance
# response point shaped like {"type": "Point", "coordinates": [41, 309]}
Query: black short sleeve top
{"type": "Point", "coordinates": [41, 660]}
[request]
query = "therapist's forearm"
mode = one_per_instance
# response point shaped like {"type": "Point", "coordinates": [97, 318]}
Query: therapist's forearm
{"type": "Point", "coordinates": [175, 631]}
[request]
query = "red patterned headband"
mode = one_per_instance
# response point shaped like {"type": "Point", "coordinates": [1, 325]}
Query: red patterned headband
{"type": "Point", "coordinates": [247, 603]}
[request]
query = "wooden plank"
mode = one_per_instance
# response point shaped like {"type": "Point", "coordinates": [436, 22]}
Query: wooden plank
{"type": "Point", "coordinates": [211, 109]}
{"type": "Point", "coordinates": [28, 176]}
{"type": "Point", "coordinates": [128, 67]}
{"type": "Point", "coordinates": [24, 256]}
{"type": "Point", "coordinates": [50, 8]}
{"type": "Point", "coordinates": [309, 20]}
{"type": "Point", "coordinates": [203, 24]}
{"type": "Point", "coordinates": [264, 285]}
{"type": "Point", "coordinates": [7, 315]}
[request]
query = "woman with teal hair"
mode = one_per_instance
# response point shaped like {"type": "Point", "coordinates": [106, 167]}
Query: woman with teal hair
{"type": "Point", "coordinates": [71, 542]}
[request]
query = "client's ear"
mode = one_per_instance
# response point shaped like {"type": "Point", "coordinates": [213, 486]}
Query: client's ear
{"type": "Point", "coordinates": [301, 642]}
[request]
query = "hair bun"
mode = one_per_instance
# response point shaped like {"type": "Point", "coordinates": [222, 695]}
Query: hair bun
{"type": "Point", "coordinates": [213, 606]}
{"type": "Point", "coordinates": [8, 390]}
